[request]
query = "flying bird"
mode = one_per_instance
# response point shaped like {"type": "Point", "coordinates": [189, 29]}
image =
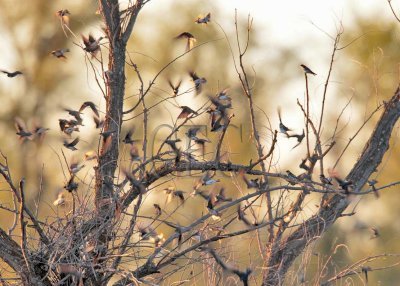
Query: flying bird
{"type": "Point", "coordinates": [307, 70]}
{"type": "Point", "coordinates": [11, 74]}
{"type": "Point", "coordinates": [299, 138]}
{"type": "Point", "coordinates": [22, 131]}
{"type": "Point", "coordinates": [92, 45]}
{"type": "Point", "coordinates": [60, 53]}
{"type": "Point", "coordinates": [203, 19]}
{"type": "Point", "coordinates": [190, 40]}
{"type": "Point", "coordinates": [282, 128]}
{"type": "Point", "coordinates": [198, 82]}
{"type": "Point", "coordinates": [71, 145]}
{"type": "Point", "coordinates": [92, 107]}
{"type": "Point", "coordinates": [175, 88]}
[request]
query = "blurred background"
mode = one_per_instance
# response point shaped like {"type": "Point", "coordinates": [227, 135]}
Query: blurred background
{"type": "Point", "coordinates": [284, 35]}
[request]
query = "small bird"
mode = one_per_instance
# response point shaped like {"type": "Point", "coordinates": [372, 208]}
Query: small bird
{"type": "Point", "coordinates": [60, 53]}
{"type": "Point", "coordinates": [99, 123]}
{"type": "Point", "coordinates": [282, 128]}
{"type": "Point", "coordinates": [292, 178]}
{"type": "Point", "coordinates": [190, 40]}
{"type": "Point", "coordinates": [374, 233]}
{"type": "Point", "coordinates": [252, 183]}
{"type": "Point", "coordinates": [92, 45]}
{"type": "Point", "coordinates": [71, 185]}
{"type": "Point", "coordinates": [221, 196]}
{"type": "Point", "coordinates": [325, 180]}
{"type": "Point", "coordinates": [179, 194]}
{"type": "Point", "coordinates": [71, 145]}
{"type": "Point", "coordinates": [299, 138]}
{"type": "Point", "coordinates": [372, 184]}
{"type": "Point", "coordinates": [175, 88]}
{"type": "Point", "coordinates": [203, 19]}
{"type": "Point", "coordinates": [92, 107]}
{"type": "Point", "coordinates": [60, 200]}
{"type": "Point", "coordinates": [242, 217]}
{"type": "Point", "coordinates": [307, 70]}
{"type": "Point", "coordinates": [158, 209]}
{"type": "Point", "coordinates": [207, 180]}
{"type": "Point", "coordinates": [198, 82]}
{"type": "Point", "coordinates": [186, 111]}
{"type": "Point", "coordinates": [76, 114]}
{"type": "Point", "coordinates": [345, 185]}
{"type": "Point", "coordinates": [11, 74]}
{"type": "Point", "coordinates": [128, 137]}
{"type": "Point", "coordinates": [192, 132]}
{"type": "Point", "coordinates": [365, 270]}
{"type": "Point", "coordinates": [134, 153]}
{"type": "Point", "coordinates": [22, 131]}
{"type": "Point", "coordinates": [75, 167]}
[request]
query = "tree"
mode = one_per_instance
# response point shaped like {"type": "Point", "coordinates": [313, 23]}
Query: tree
{"type": "Point", "coordinates": [92, 245]}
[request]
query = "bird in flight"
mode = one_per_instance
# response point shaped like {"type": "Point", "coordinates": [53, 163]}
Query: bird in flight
{"type": "Point", "coordinates": [11, 74]}
{"type": "Point", "coordinates": [190, 40]}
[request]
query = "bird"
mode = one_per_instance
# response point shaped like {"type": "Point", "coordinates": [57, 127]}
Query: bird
{"type": "Point", "coordinates": [11, 74]}
{"type": "Point", "coordinates": [71, 145]}
{"type": "Point", "coordinates": [282, 128]}
{"type": "Point", "coordinates": [75, 167]}
{"type": "Point", "coordinates": [190, 40]}
{"type": "Point", "coordinates": [22, 131]}
{"type": "Point", "coordinates": [292, 178]}
{"type": "Point", "coordinates": [307, 70]}
{"type": "Point", "coordinates": [128, 137]}
{"type": "Point", "coordinates": [299, 138]}
{"type": "Point", "coordinates": [372, 184]}
{"type": "Point", "coordinates": [203, 19]}
{"type": "Point", "coordinates": [198, 82]}
{"type": "Point", "coordinates": [175, 88]}
{"type": "Point", "coordinates": [76, 114]}
{"type": "Point", "coordinates": [157, 209]}
{"type": "Point", "coordinates": [192, 132]}
{"type": "Point", "coordinates": [172, 143]}
{"type": "Point", "coordinates": [60, 53]}
{"type": "Point", "coordinates": [365, 270]}
{"type": "Point", "coordinates": [242, 217]}
{"type": "Point", "coordinates": [60, 200]}
{"type": "Point", "coordinates": [92, 45]}
{"type": "Point", "coordinates": [344, 184]}
{"type": "Point", "coordinates": [92, 107]}
{"type": "Point", "coordinates": [221, 197]}
{"type": "Point", "coordinates": [134, 153]}
{"type": "Point", "coordinates": [71, 185]}
{"type": "Point", "coordinates": [186, 111]}
{"type": "Point", "coordinates": [252, 183]}
{"type": "Point", "coordinates": [325, 180]}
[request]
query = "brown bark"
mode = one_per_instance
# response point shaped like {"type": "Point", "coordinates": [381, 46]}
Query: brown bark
{"type": "Point", "coordinates": [317, 225]}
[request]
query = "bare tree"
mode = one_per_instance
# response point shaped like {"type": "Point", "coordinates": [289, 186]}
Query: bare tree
{"type": "Point", "coordinates": [107, 238]}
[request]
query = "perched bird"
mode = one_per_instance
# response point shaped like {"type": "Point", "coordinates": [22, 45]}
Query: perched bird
{"type": "Point", "coordinates": [292, 178]}
{"type": "Point", "coordinates": [72, 144]}
{"type": "Point", "coordinates": [372, 184]}
{"type": "Point", "coordinates": [190, 40]}
{"type": "Point", "coordinates": [60, 53]}
{"type": "Point", "coordinates": [325, 180]}
{"type": "Point", "coordinates": [299, 138]}
{"type": "Point", "coordinates": [282, 128]}
{"type": "Point", "coordinates": [92, 45]}
{"type": "Point", "coordinates": [203, 19]}
{"type": "Point", "coordinates": [74, 167]}
{"type": "Point", "coordinates": [365, 270]}
{"type": "Point", "coordinates": [307, 70]}
{"type": "Point", "coordinates": [175, 88]}
{"type": "Point", "coordinates": [198, 82]}
{"type": "Point", "coordinates": [186, 111]}
{"type": "Point", "coordinates": [63, 12]}
{"type": "Point", "coordinates": [92, 107]}
{"type": "Point", "coordinates": [11, 74]}
{"type": "Point", "coordinates": [22, 131]}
